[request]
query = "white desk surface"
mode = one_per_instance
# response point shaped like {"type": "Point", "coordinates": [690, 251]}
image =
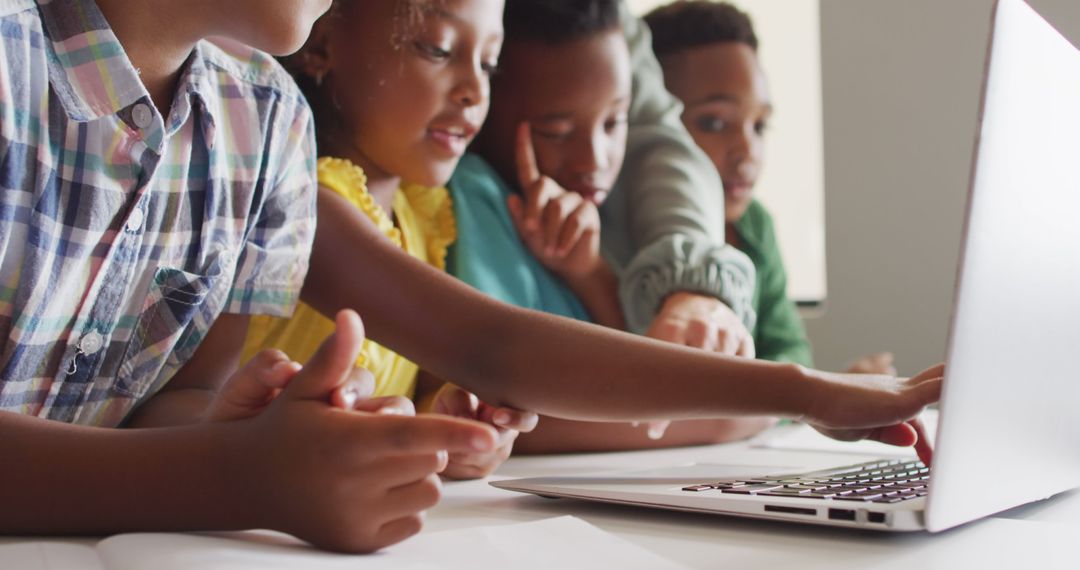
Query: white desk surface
{"type": "Point", "coordinates": [1031, 535]}
{"type": "Point", "coordinates": [1040, 535]}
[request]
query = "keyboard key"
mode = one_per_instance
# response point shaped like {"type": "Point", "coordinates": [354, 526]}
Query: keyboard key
{"type": "Point", "coordinates": [891, 480]}
{"type": "Point", "coordinates": [806, 487]}
{"type": "Point", "coordinates": [859, 497]}
{"type": "Point", "coordinates": [783, 492]}
{"type": "Point", "coordinates": [750, 489]}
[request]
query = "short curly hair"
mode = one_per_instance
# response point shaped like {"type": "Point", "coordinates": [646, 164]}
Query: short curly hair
{"type": "Point", "coordinates": [559, 21]}
{"type": "Point", "coordinates": [687, 24]}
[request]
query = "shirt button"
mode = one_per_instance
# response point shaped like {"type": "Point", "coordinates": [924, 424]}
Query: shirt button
{"type": "Point", "coordinates": [135, 220]}
{"type": "Point", "coordinates": [142, 116]}
{"type": "Point", "coordinates": [90, 343]}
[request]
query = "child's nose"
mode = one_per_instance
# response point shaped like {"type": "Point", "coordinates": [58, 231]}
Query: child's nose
{"type": "Point", "coordinates": [472, 87]}
{"type": "Point", "coordinates": [593, 156]}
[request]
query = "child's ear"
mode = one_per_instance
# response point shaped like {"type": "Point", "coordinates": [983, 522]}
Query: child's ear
{"type": "Point", "coordinates": [316, 59]}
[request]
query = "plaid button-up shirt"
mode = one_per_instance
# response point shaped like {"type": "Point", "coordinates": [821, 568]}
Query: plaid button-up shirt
{"type": "Point", "coordinates": [125, 233]}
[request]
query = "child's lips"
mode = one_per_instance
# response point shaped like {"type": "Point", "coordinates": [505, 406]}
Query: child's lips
{"type": "Point", "coordinates": [454, 140]}
{"type": "Point", "coordinates": [591, 194]}
{"type": "Point", "coordinates": [738, 190]}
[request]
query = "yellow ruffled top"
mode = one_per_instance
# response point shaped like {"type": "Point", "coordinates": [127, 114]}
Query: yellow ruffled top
{"type": "Point", "coordinates": [425, 229]}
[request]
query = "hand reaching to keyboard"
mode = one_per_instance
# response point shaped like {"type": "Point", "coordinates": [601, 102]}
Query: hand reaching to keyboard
{"type": "Point", "coordinates": [850, 407]}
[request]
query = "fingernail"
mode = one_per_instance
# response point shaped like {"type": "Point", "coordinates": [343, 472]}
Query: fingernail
{"type": "Point", "coordinates": [349, 397]}
{"type": "Point", "coordinates": [501, 417]}
{"type": "Point", "coordinates": [481, 443]}
{"type": "Point", "coordinates": [443, 458]}
{"type": "Point", "coordinates": [391, 411]}
{"type": "Point", "coordinates": [655, 433]}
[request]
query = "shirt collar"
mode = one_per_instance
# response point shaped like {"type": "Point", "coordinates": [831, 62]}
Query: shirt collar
{"type": "Point", "coordinates": [93, 77]}
{"type": "Point", "coordinates": [90, 72]}
{"type": "Point", "coordinates": [191, 96]}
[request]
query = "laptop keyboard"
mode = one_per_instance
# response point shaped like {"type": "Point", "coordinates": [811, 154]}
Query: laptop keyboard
{"type": "Point", "coordinates": [888, 481]}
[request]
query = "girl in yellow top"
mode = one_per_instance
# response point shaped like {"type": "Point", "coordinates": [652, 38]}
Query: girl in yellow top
{"type": "Point", "coordinates": [399, 89]}
{"type": "Point", "coordinates": [420, 221]}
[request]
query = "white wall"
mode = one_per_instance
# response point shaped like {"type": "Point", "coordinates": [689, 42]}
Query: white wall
{"type": "Point", "coordinates": [792, 183]}
{"type": "Point", "coordinates": [902, 81]}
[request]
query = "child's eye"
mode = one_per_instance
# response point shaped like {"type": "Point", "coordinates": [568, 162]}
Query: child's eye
{"type": "Point", "coordinates": [761, 127]}
{"type": "Point", "coordinates": [431, 51]}
{"type": "Point", "coordinates": [711, 124]}
{"type": "Point", "coordinates": [614, 123]}
{"type": "Point", "coordinates": [552, 135]}
{"type": "Point", "coordinates": [490, 68]}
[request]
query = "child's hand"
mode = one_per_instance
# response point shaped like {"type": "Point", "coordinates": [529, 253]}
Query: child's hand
{"type": "Point", "coordinates": [453, 401]}
{"type": "Point", "coordinates": [700, 321]}
{"type": "Point", "coordinates": [560, 228]}
{"type": "Point", "coordinates": [883, 408]}
{"type": "Point", "coordinates": [342, 480]}
{"type": "Point", "coordinates": [254, 386]}
{"type": "Point", "coordinates": [877, 363]}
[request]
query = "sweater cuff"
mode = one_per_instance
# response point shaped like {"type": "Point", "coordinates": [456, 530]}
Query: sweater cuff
{"type": "Point", "coordinates": [677, 263]}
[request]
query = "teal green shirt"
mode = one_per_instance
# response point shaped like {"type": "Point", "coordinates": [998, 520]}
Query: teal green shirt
{"type": "Point", "coordinates": [779, 334]}
{"type": "Point", "coordinates": [489, 255]}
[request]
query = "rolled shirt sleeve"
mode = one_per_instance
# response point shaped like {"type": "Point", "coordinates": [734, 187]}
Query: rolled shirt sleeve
{"type": "Point", "coordinates": [664, 223]}
{"type": "Point", "coordinates": [274, 261]}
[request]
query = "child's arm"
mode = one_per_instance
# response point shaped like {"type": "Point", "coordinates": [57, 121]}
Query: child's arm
{"type": "Point", "coordinates": [186, 397]}
{"type": "Point", "coordinates": [522, 359]}
{"type": "Point", "coordinates": [675, 222]}
{"type": "Point", "coordinates": [566, 436]}
{"type": "Point", "coordinates": [564, 236]}
{"type": "Point", "coordinates": [376, 472]}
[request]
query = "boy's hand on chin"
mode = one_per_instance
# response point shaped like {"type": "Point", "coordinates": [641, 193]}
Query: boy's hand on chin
{"type": "Point", "coordinates": [352, 480]}
{"type": "Point", "coordinates": [560, 228]}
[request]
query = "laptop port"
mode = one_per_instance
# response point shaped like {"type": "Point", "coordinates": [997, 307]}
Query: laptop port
{"type": "Point", "coordinates": [842, 514]}
{"type": "Point", "coordinates": [876, 517]}
{"type": "Point", "coordinates": [792, 510]}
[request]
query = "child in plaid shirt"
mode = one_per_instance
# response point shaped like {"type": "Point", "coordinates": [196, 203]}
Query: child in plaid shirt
{"type": "Point", "coordinates": [156, 190]}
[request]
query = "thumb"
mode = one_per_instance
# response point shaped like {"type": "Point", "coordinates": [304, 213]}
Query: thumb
{"type": "Point", "coordinates": [332, 364]}
{"type": "Point", "coordinates": [253, 386]}
{"type": "Point", "coordinates": [453, 401]}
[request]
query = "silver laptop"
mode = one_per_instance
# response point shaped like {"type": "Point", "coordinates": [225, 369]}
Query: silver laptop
{"type": "Point", "coordinates": [1008, 433]}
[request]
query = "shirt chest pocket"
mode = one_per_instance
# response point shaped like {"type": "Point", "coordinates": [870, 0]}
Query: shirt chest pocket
{"type": "Point", "coordinates": [178, 311]}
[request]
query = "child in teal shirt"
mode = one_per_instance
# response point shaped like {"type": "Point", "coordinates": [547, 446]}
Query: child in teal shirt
{"type": "Point", "coordinates": [488, 253]}
{"type": "Point", "coordinates": [569, 82]}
